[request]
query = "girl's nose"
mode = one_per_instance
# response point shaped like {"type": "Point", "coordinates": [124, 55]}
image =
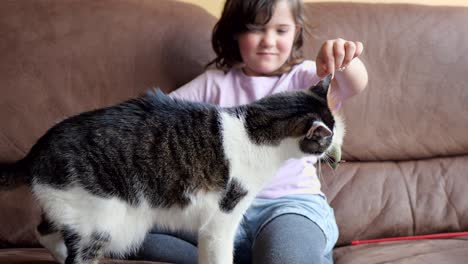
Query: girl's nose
{"type": "Point", "coordinates": [268, 39]}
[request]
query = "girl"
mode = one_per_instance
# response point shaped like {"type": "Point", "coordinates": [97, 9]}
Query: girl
{"type": "Point", "coordinates": [257, 43]}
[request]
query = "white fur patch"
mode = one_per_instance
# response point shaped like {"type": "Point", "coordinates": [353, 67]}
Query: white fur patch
{"type": "Point", "coordinates": [339, 130]}
{"type": "Point", "coordinates": [54, 243]}
{"type": "Point", "coordinates": [246, 157]}
{"type": "Point", "coordinates": [127, 225]}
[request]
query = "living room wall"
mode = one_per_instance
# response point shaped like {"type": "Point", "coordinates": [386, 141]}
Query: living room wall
{"type": "Point", "coordinates": [215, 6]}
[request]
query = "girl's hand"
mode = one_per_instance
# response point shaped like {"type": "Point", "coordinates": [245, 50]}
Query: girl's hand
{"type": "Point", "coordinates": [336, 54]}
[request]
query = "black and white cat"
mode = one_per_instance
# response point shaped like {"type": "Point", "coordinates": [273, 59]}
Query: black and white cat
{"type": "Point", "coordinates": [104, 178]}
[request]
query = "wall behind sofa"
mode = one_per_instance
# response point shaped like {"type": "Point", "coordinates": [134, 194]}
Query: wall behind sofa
{"type": "Point", "coordinates": [215, 6]}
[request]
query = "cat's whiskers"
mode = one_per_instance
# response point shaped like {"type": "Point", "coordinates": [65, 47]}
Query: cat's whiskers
{"type": "Point", "coordinates": [319, 170]}
{"type": "Point", "coordinates": [328, 160]}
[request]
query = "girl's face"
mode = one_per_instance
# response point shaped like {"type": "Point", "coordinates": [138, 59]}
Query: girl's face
{"type": "Point", "coordinates": [266, 49]}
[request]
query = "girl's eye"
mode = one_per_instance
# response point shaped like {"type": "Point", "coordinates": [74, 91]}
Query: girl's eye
{"type": "Point", "coordinates": [282, 31]}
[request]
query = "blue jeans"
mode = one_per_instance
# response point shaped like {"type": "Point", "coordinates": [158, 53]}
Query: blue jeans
{"type": "Point", "coordinates": [291, 229]}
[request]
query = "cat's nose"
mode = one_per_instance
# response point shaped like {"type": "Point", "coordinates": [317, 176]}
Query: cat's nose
{"type": "Point", "coordinates": [319, 131]}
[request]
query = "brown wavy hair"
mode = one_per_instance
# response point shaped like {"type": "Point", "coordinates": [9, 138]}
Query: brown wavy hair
{"type": "Point", "coordinates": [240, 15]}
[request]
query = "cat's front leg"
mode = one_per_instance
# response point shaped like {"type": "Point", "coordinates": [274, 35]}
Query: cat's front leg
{"type": "Point", "coordinates": [216, 238]}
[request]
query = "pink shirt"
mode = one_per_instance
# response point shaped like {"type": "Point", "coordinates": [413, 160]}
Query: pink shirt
{"type": "Point", "coordinates": [235, 88]}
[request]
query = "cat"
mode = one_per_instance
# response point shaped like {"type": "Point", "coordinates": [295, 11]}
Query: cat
{"type": "Point", "coordinates": [104, 178]}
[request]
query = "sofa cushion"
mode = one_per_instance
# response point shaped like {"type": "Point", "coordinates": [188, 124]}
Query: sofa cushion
{"type": "Point", "coordinates": [60, 58]}
{"type": "Point", "coordinates": [41, 256]}
{"type": "Point", "coordinates": [403, 198]}
{"type": "Point", "coordinates": [415, 106]}
{"type": "Point", "coordinates": [406, 252]}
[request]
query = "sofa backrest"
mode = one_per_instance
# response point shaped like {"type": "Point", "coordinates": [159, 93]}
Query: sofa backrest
{"type": "Point", "coordinates": [415, 106]}
{"type": "Point", "coordinates": [406, 146]}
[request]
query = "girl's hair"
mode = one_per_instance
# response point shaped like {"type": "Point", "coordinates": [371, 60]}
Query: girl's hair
{"type": "Point", "coordinates": [241, 15]}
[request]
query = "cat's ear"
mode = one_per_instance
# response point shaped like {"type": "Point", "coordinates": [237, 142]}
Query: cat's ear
{"type": "Point", "coordinates": [321, 88]}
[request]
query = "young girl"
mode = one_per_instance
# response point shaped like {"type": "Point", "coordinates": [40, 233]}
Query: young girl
{"type": "Point", "coordinates": [257, 43]}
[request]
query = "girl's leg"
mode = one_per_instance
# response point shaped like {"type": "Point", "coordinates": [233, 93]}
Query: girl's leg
{"type": "Point", "coordinates": [181, 247]}
{"type": "Point", "coordinates": [290, 238]}
{"type": "Point", "coordinates": [169, 247]}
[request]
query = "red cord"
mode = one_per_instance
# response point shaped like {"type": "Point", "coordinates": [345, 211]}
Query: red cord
{"type": "Point", "coordinates": [390, 239]}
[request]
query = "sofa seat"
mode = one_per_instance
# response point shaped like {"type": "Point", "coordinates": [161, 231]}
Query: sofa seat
{"type": "Point", "coordinates": [406, 252]}
{"type": "Point", "coordinates": [409, 252]}
{"type": "Point", "coordinates": [42, 256]}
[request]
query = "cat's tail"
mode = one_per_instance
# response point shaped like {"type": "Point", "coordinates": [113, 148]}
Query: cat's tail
{"type": "Point", "coordinates": [13, 175]}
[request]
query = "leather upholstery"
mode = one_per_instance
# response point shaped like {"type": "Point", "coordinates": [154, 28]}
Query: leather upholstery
{"type": "Point", "coordinates": [407, 134]}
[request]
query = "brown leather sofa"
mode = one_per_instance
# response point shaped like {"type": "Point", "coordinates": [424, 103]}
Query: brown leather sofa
{"type": "Point", "coordinates": [407, 143]}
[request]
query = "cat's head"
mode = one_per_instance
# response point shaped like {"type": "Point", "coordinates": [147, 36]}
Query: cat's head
{"type": "Point", "coordinates": [304, 116]}
{"type": "Point", "coordinates": [324, 137]}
